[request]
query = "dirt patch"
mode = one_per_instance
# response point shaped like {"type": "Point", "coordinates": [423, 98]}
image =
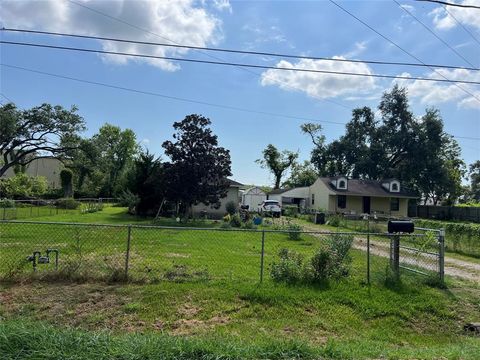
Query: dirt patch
{"type": "Point", "coordinates": [176, 255]}
{"type": "Point", "coordinates": [188, 310]}
{"type": "Point", "coordinates": [195, 326]}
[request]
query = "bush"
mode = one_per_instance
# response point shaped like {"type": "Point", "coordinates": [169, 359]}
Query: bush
{"type": "Point", "coordinates": [22, 186]}
{"type": "Point", "coordinates": [231, 207]}
{"type": "Point", "coordinates": [129, 200]}
{"type": "Point", "coordinates": [7, 203]}
{"type": "Point", "coordinates": [235, 221]}
{"type": "Point", "coordinates": [294, 231]}
{"type": "Point", "coordinates": [331, 261]}
{"type": "Point", "coordinates": [227, 218]}
{"type": "Point", "coordinates": [290, 210]}
{"type": "Point", "coordinates": [248, 225]}
{"type": "Point", "coordinates": [334, 220]}
{"type": "Point", "coordinates": [225, 225]}
{"type": "Point", "coordinates": [88, 208]}
{"type": "Point", "coordinates": [289, 269]}
{"type": "Point", "coordinates": [69, 204]}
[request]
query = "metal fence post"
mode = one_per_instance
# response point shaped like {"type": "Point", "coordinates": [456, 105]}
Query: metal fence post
{"type": "Point", "coordinates": [441, 255]}
{"type": "Point", "coordinates": [127, 254]}
{"type": "Point", "coordinates": [262, 256]}
{"type": "Point", "coordinates": [368, 251]}
{"type": "Point", "coordinates": [395, 255]}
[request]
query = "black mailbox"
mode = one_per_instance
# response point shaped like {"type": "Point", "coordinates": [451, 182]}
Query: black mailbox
{"type": "Point", "coordinates": [400, 226]}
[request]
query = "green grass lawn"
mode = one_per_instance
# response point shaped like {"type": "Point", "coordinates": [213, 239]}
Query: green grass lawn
{"type": "Point", "coordinates": [196, 294]}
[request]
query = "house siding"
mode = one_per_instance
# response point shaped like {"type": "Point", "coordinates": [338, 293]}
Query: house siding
{"type": "Point", "coordinates": [47, 167]}
{"type": "Point", "coordinates": [322, 197]}
{"type": "Point", "coordinates": [233, 194]}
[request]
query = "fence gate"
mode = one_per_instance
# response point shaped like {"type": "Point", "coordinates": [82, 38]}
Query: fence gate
{"type": "Point", "coordinates": [422, 253]}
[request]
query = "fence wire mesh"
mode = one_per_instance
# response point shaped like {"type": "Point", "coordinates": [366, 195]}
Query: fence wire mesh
{"type": "Point", "coordinates": [155, 253]}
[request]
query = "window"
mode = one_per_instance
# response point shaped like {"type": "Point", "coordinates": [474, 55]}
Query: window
{"type": "Point", "coordinates": [342, 201]}
{"type": "Point", "coordinates": [342, 184]}
{"type": "Point", "coordinates": [313, 199]}
{"type": "Point", "coordinates": [394, 204]}
{"type": "Point", "coordinates": [394, 187]}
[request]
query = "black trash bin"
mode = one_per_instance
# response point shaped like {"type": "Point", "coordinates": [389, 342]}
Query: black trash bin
{"type": "Point", "coordinates": [320, 218]}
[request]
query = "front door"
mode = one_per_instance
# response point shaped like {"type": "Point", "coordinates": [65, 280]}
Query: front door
{"type": "Point", "coordinates": [366, 204]}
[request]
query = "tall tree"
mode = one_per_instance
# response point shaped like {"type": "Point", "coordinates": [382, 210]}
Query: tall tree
{"type": "Point", "coordinates": [117, 149]}
{"type": "Point", "coordinates": [42, 131]}
{"type": "Point", "coordinates": [416, 151]}
{"type": "Point", "coordinates": [474, 173]}
{"type": "Point", "coordinates": [198, 167]}
{"type": "Point", "coordinates": [302, 174]}
{"type": "Point", "coordinates": [277, 162]}
{"type": "Point", "coordinates": [146, 179]}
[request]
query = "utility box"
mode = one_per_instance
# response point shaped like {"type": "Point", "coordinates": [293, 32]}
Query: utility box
{"type": "Point", "coordinates": [320, 218]}
{"type": "Point", "coordinates": [400, 226]}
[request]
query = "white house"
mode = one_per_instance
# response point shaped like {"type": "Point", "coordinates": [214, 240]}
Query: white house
{"type": "Point", "coordinates": [253, 197]}
{"type": "Point", "coordinates": [354, 196]}
{"type": "Point", "coordinates": [233, 194]}
{"type": "Point", "coordinates": [296, 196]}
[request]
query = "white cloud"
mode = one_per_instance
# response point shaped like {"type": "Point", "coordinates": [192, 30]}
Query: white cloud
{"type": "Point", "coordinates": [359, 47]}
{"type": "Point", "coordinates": [408, 7]}
{"type": "Point", "coordinates": [181, 21]}
{"type": "Point", "coordinates": [434, 93]}
{"type": "Point", "coordinates": [222, 5]}
{"type": "Point", "coordinates": [444, 20]}
{"type": "Point", "coordinates": [321, 85]}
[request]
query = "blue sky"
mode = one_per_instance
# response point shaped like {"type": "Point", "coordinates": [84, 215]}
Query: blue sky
{"type": "Point", "coordinates": [315, 28]}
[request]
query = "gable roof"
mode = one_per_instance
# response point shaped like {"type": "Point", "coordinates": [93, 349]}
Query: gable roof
{"type": "Point", "coordinates": [278, 191]}
{"type": "Point", "coordinates": [357, 187]}
{"type": "Point", "coordinates": [234, 183]}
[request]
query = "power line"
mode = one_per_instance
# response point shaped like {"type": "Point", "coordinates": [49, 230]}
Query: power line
{"type": "Point", "coordinates": [236, 51]}
{"type": "Point", "coordinates": [433, 33]}
{"type": "Point", "coordinates": [463, 27]}
{"type": "Point", "coordinates": [399, 47]}
{"type": "Point", "coordinates": [175, 98]}
{"type": "Point", "coordinates": [466, 6]}
{"type": "Point", "coordinates": [6, 97]}
{"type": "Point", "coordinates": [265, 67]}
{"type": "Point", "coordinates": [203, 52]}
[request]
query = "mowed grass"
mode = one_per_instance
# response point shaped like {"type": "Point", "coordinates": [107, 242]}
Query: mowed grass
{"type": "Point", "coordinates": [197, 295]}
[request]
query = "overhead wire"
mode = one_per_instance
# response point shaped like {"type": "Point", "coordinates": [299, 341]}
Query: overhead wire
{"type": "Point", "coordinates": [399, 47]}
{"type": "Point", "coordinates": [175, 98]}
{"type": "Point", "coordinates": [224, 63]}
{"type": "Point", "coordinates": [433, 33]}
{"type": "Point", "coordinates": [236, 51]}
{"type": "Point", "coordinates": [446, 3]}
{"type": "Point", "coordinates": [285, 84]}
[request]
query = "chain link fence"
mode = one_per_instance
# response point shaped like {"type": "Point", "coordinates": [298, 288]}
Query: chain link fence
{"type": "Point", "coordinates": [155, 253]}
{"type": "Point", "coordinates": [30, 209]}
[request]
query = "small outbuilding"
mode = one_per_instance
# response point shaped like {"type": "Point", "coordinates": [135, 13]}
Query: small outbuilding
{"type": "Point", "coordinates": [253, 197]}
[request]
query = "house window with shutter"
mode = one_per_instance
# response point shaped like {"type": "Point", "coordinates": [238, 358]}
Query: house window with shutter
{"type": "Point", "coordinates": [341, 201]}
{"type": "Point", "coordinates": [313, 199]}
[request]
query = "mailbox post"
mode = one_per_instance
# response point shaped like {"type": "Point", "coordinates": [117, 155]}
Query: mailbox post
{"type": "Point", "coordinates": [397, 227]}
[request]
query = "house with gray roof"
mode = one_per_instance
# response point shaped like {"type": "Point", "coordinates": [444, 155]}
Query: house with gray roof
{"type": "Point", "coordinates": [355, 196]}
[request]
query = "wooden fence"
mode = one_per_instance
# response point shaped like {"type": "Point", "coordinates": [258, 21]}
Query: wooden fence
{"type": "Point", "coordinates": [449, 213]}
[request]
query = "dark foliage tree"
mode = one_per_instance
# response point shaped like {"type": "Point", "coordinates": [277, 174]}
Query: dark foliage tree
{"type": "Point", "coordinates": [474, 172]}
{"type": "Point", "coordinates": [198, 167]}
{"type": "Point", "coordinates": [416, 151]}
{"type": "Point", "coordinates": [42, 131]}
{"type": "Point", "coordinates": [146, 179]}
{"type": "Point", "coordinates": [277, 162]}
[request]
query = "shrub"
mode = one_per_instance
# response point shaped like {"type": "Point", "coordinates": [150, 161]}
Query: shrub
{"type": "Point", "coordinates": [90, 207]}
{"type": "Point", "coordinates": [248, 225]}
{"type": "Point", "coordinates": [227, 218]}
{"type": "Point", "coordinates": [69, 203]}
{"type": "Point", "coordinates": [7, 203]}
{"type": "Point", "coordinates": [23, 186]}
{"type": "Point", "coordinates": [225, 225]}
{"type": "Point", "coordinates": [289, 269]}
{"type": "Point", "coordinates": [231, 207]}
{"type": "Point", "coordinates": [331, 261]}
{"type": "Point", "coordinates": [290, 210]}
{"type": "Point", "coordinates": [294, 231]}
{"type": "Point", "coordinates": [235, 221]}
{"type": "Point", "coordinates": [129, 200]}
{"type": "Point", "coordinates": [334, 220]}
